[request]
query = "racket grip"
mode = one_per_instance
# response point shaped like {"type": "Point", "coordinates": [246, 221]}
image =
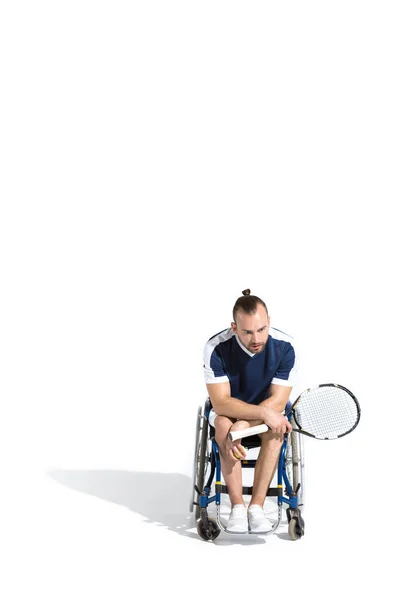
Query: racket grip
{"type": "Point", "coordinates": [242, 433]}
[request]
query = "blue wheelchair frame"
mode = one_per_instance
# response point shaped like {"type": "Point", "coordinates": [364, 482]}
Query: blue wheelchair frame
{"type": "Point", "coordinates": [288, 497]}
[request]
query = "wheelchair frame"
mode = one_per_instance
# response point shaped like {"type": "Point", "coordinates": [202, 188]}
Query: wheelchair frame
{"type": "Point", "coordinates": [290, 472]}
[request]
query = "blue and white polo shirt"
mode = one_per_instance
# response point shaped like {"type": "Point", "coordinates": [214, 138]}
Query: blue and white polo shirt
{"type": "Point", "coordinates": [250, 375]}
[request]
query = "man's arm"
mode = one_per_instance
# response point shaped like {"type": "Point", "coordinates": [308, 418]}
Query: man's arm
{"type": "Point", "coordinates": [267, 412]}
{"type": "Point", "coordinates": [225, 405]}
{"type": "Point", "coordinates": [278, 397]}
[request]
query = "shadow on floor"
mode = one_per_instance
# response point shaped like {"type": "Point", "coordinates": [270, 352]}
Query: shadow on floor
{"type": "Point", "coordinates": [161, 498]}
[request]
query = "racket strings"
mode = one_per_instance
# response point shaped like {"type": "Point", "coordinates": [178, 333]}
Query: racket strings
{"type": "Point", "coordinates": [326, 412]}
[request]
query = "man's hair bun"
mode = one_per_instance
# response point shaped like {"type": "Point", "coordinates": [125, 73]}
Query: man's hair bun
{"type": "Point", "coordinates": [247, 304]}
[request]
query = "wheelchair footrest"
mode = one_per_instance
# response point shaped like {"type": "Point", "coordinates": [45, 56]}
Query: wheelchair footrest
{"type": "Point", "coordinates": [248, 490]}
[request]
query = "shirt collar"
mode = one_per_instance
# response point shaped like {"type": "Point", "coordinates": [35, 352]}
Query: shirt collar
{"type": "Point", "coordinates": [243, 347]}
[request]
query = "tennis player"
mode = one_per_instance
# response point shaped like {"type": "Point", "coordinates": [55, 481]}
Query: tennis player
{"type": "Point", "coordinates": [249, 371]}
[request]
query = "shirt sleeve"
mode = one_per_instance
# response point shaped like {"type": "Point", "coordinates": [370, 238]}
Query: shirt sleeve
{"type": "Point", "coordinates": [287, 368]}
{"type": "Point", "coordinates": [214, 370]}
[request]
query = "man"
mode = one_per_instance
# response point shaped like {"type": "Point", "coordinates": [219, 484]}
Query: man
{"type": "Point", "coordinates": [249, 371]}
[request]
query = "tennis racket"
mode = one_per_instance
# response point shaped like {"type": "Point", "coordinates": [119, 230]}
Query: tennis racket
{"type": "Point", "coordinates": [325, 412]}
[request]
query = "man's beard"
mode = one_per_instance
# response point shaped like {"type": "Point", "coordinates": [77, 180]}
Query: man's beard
{"type": "Point", "coordinates": [256, 350]}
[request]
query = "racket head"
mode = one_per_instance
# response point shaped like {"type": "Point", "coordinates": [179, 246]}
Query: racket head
{"type": "Point", "coordinates": [327, 411]}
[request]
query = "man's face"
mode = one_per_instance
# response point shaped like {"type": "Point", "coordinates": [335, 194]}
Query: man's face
{"type": "Point", "coordinates": [252, 330]}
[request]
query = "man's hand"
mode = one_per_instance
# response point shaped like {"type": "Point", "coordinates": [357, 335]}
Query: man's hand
{"type": "Point", "coordinates": [277, 422]}
{"type": "Point", "coordinates": [235, 450]}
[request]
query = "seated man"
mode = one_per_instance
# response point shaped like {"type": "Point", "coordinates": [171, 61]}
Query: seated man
{"type": "Point", "coordinates": [249, 372]}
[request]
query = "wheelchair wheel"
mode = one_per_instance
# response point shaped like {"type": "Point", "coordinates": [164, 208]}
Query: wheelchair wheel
{"type": "Point", "coordinates": [294, 462]}
{"type": "Point", "coordinates": [201, 460]}
{"type": "Point", "coordinates": [295, 471]}
{"type": "Point", "coordinates": [193, 498]}
{"type": "Point", "coordinates": [208, 529]}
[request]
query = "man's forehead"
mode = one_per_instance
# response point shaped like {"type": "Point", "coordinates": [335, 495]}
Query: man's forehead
{"type": "Point", "coordinates": [258, 318]}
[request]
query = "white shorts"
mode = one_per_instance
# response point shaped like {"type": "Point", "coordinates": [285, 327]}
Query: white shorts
{"type": "Point", "coordinates": [211, 417]}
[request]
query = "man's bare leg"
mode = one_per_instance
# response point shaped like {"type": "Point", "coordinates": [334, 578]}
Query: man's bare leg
{"type": "Point", "coordinates": [265, 468]}
{"type": "Point", "coordinates": [231, 468]}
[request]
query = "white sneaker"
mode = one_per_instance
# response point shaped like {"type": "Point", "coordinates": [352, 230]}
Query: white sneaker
{"type": "Point", "coordinates": [258, 522]}
{"type": "Point", "coordinates": [237, 522]}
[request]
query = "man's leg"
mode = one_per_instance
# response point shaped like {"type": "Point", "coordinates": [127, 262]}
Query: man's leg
{"type": "Point", "coordinates": [231, 469]}
{"type": "Point", "coordinates": [267, 462]}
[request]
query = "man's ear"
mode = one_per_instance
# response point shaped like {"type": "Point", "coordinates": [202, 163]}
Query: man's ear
{"type": "Point", "coordinates": [234, 327]}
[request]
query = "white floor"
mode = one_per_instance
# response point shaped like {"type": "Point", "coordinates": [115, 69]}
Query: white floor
{"type": "Point", "coordinates": [109, 533]}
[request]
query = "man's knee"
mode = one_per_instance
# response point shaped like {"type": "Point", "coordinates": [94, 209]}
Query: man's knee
{"type": "Point", "coordinates": [222, 425]}
{"type": "Point", "coordinates": [240, 424]}
{"type": "Point", "coordinates": [269, 437]}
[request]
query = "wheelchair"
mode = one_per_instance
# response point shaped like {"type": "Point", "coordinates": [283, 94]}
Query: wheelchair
{"type": "Point", "coordinates": [207, 471]}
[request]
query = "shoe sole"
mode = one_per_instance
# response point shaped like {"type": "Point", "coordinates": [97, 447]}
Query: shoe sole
{"type": "Point", "coordinates": [237, 530]}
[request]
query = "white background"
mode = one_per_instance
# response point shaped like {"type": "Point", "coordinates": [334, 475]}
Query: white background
{"type": "Point", "coordinates": [158, 158]}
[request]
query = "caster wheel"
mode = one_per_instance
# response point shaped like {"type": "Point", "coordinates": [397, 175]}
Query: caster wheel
{"type": "Point", "coordinates": [296, 527]}
{"type": "Point", "coordinates": [208, 532]}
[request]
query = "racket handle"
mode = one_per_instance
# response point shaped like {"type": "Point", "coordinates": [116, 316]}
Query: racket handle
{"type": "Point", "coordinates": [236, 435]}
